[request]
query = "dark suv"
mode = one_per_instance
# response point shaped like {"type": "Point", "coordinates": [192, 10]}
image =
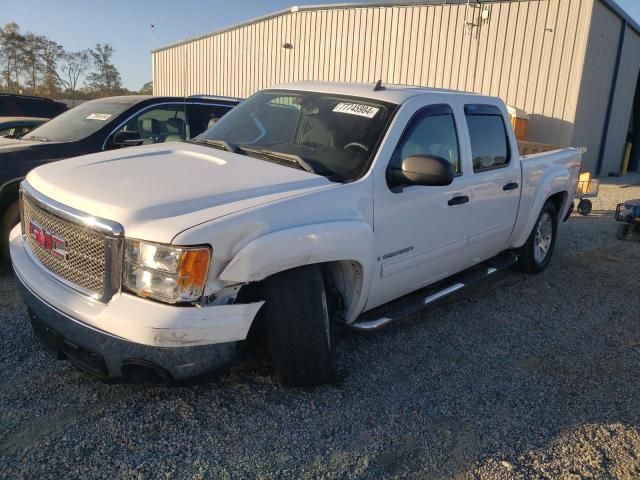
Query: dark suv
{"type": "Point", "coordinates": [104, 124]}
{"type": "Point", "coordinates": [27, 106]}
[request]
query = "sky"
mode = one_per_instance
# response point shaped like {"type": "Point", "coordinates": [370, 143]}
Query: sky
{"type": "Point", "coordinates": [126, 25]}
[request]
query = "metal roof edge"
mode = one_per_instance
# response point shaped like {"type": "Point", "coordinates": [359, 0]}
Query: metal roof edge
{"type": "Point", "coordinates": [611, 4]}
{"type": "Point", "coordinates": [321, 6]}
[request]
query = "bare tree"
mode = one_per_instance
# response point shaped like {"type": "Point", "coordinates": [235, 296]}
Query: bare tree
{"type": "Point", "coordinates": [106, 77]}
{"type": "Point", "coordinates": [51, 54]}
{"type": "Point", "coordinates": [31, 50]}
{"type": "Point", "coordinates": [41, 66]}
{"type": "Point", "coordinates": [72, 67]}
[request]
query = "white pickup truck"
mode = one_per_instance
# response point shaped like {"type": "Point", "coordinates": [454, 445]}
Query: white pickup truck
{"type": "Point", "coordinates": [307, 203]}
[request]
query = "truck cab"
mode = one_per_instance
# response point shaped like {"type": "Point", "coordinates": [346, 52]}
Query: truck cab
{"type": "Point", "coordinates": [306, 204]}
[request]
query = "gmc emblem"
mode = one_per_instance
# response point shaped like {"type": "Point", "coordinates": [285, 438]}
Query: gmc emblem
{"type": "Point", "coordinates": [47, 240]}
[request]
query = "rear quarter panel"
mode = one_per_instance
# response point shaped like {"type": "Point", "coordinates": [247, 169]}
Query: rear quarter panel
{"type": "Point", "coordinates": [543, 175]}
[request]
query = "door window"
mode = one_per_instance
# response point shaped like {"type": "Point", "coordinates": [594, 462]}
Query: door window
{"type": "Point", "coordinates": [431, 132]}
{"type": "Point", "coordinates": [161, 124]}
{"type": "Point", "coordinates": [203, 116]}
{"type": "Point", "coordinates": [489, 143]}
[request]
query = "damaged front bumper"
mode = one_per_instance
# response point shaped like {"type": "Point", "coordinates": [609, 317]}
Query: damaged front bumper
{"type": "Point", "coordinates": [129, 335]}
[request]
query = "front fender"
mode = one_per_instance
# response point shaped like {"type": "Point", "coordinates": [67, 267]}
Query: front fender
{"type": "Point", "coordinates": [306, 245]}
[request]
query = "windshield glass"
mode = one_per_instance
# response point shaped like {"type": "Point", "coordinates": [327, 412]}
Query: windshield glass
{"type": "Point", "coordinates": [79, 122]}
{"type": "Point", "coordinates": [334, 135]}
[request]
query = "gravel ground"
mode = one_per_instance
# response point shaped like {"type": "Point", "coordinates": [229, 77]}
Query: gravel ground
{"type": "Point", "coordinates": [517, 377]}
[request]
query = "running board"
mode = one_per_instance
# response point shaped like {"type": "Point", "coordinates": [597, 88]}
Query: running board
{"type": "Point", "coordinates": [416, 301]}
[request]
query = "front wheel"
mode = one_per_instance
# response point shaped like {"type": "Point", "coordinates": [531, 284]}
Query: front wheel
{"type": "Point", "coordinates": [536, 253]}
{"type": "Point", "coordinates": [298, 328]}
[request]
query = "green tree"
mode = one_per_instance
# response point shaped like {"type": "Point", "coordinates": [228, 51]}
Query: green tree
{"type": "Point", "coordinates": [11, 41]}
{"type": "Point", "coordinates": [51, 54]}
{"type": "Point", "coordinates": [105, 79]}
{"type": "Point", "coordinates": [147, 89]}
{"type": "Point", "coordinates": [31, 50]}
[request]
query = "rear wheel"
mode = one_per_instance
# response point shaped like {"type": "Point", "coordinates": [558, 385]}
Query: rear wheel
{"type": "Point", "coordinates": [623, 231]}
{"type": "Point", "coordinates": [9, 220]}
{"type": "Point", "coordinates": [298, 329]}
{"type": "Point", "coordinates": [536, 253]}
{"type": "Point", "coordinates": [584, 207]}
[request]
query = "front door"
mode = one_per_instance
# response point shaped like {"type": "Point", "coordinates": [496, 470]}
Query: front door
{"type": "Point", "coordinates": [420, 231]}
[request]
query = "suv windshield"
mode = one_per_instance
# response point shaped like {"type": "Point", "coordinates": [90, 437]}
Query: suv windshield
{"type": "Point", "coordinates": [79, 122]}
{"type": "Point", "coordinates": [335, 136]}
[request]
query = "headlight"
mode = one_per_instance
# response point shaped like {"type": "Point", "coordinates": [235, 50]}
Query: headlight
{"type": "Point", "coordinates": [166, 273]}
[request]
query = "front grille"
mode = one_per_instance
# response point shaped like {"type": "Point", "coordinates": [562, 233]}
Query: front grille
{"type": "Point", "coordinates": [85, 263]}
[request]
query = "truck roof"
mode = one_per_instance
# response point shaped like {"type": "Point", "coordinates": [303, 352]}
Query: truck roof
{"type": "Point", "coordinates": [389, 93]}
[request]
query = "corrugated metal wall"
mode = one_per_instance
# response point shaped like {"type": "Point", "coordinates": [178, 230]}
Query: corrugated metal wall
{"type": "Point", "coordinates": [597, 76]}
{"type": "Point", "coordinates": [529, 52]}
{"type": "Point", "coordinates": [622, 104]}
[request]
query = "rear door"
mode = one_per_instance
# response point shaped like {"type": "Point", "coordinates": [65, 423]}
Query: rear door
{"type": "Point", "coordinates": [422, 231]}
{"type": "Point", "coordinates": [496, 181]}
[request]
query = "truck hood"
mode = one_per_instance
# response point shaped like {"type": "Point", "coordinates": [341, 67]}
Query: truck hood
{"type": "Point", "coordinates": [158, 191]}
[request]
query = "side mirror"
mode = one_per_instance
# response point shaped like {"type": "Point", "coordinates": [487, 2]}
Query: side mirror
{"type": "Point", "coordinates": [127, 139]}
{"type": "Point", "coordinates": [426, 170]}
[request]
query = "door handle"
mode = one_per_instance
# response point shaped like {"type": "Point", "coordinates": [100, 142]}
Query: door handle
{"type": "Point", "coordinates": [510, 186]}
{"type": "Point", "coordinates": [458, 200]}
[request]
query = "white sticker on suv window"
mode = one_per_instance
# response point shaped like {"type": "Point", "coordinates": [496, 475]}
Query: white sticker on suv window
{"type": "Point", "coordinates": [99, 116]}
{"type": "Point", "coordinates": [356, 109]}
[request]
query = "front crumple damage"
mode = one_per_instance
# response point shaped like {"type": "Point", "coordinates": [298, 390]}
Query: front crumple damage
{"type": "Point", "coordinates": [230, 323]}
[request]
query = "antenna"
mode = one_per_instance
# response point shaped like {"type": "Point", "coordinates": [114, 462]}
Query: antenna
{"type": "Point", "coordinates": [378, 86]}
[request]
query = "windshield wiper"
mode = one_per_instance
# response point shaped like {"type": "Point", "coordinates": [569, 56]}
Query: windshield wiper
{"type": "Point", "coordinates": [37, 139]}
{"type": "Point", "coordinates": [289, 157]}
{"type": "Point", "coordinates": [221, 144]}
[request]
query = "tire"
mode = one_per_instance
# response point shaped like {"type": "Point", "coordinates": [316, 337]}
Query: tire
{"type": "Point", "coordinates": [532, 259]}
{"type": "Point", "coordinates": [584, 207]}
{"type": "Point", "coordinates": [9, 220]}
{"type": "Point", "coordinates": [623, 231]}
{"type": "Point", "coordinates": [298, 329]}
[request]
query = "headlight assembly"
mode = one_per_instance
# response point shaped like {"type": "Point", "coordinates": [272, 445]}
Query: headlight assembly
{"type": "Point", "coordinates": [166, 273]}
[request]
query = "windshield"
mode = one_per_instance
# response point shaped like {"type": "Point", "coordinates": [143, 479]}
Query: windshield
{"type": "Point", "coordinates": [333, 135]}
{"type": "Point", "coordinates": [79, 122]}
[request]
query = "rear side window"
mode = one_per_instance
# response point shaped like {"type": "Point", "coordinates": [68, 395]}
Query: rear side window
{"type": "Point", "coordinates": [5, 108]}
{"type": "Point", "coordinates": [51, 109]}
{"type": "Point", "coordinates": [31, 107]}
{"type": "Point", "coordinates": [489, 143]}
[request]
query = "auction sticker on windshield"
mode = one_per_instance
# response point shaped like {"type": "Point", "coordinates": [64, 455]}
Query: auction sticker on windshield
{"type": "Point", "coordinates": [98, 116]}
{"type": "Point", "coordinates": [356, 109]}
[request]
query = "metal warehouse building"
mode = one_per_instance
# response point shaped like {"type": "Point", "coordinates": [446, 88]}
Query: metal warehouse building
{"type": "Point", "coordinates": [572, 65]}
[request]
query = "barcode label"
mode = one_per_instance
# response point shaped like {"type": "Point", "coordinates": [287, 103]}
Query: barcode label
{"type": "Point", "coordinates": [356, 109]}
